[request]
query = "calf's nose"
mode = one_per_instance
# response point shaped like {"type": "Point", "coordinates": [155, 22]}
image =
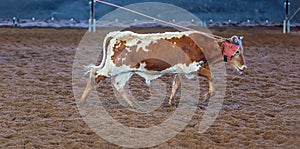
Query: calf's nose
{"type": "Point", "coordinates": [244, 67]}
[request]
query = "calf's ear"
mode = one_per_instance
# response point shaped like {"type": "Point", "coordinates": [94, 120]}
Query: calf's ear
{"type": "Point", "coordinates": [234, 39]}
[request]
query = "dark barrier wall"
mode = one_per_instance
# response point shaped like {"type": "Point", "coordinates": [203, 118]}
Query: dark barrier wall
{"type": "Point", "coordinates": [216, 10]}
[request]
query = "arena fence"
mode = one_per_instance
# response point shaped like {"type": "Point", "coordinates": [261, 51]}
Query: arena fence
{"type": "Point", "coordinates": [240, 12]}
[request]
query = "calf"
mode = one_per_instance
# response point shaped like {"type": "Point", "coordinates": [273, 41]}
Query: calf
{"type": "Point", "coordinates": [150, 56]}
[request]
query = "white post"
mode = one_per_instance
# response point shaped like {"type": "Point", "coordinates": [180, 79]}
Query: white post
{"type": "Point", "coordinates": [90, 25]}
{"type": "Point", "coordinates": [92, 20]}
{"type": "Point", "coordinates": [288, 25]}
{"type": "Point", "coordinates": [16, 22]}
{"type": "Point", "coordinates": [94, 25]}
{"type": "Point", "coordinates": [284, 26]}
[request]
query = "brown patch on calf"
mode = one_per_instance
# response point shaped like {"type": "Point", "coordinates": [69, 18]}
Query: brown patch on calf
{"type": "Point", "coordinates": [118, 48]}
{"type": "Point", "coordinates": [221, 44]}
{"type": "Point", "coordinates": [190, 48]}
{"type": "Point", "coordinates": [137, 65]}
{"type": "Point", "coordinates": [131, 59]}
{"type": "Point", "coordinates": [99, 78]}
{"type": "Point", "coordinates": [212, 47]}
{"type": "Point", "coordinates": [155, 64]}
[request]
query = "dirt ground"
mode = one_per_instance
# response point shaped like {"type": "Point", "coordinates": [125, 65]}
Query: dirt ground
{"type": "Point", "coordinates": [38, 108]}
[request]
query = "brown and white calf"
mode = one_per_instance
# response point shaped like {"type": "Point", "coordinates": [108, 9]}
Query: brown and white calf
{"type": "Point", "coordinates": [150, 56]}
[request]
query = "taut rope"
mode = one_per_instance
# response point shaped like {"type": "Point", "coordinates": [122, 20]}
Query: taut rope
{"type": "Point", "coordinates": [159, 20]}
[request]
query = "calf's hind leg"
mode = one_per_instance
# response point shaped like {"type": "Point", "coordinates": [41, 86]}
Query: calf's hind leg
{"type": "Point", "coordinates": [89, 87]}
{"type": "Point", "coordinates": [86, 92]}
{"type": "Point", "coordinates": [119, 82]}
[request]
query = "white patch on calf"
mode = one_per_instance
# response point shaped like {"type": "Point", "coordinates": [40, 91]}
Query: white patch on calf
{"type": "Point", "coordinates": [147, 74]}
{"type": "Point", "coordinates": [183, 68]}
{"type": "Point", "coordinates": [123, 59]}
{"type": "Point", "coordinates": [128, 49]}
{"type": "Point", "coordinates": [148, 77]}
{"type": "Point", "coordinates": [144, 44]}
{"type": "Point", "coordinates": [121, 80]}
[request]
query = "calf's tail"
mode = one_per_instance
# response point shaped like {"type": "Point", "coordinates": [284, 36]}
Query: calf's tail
{"type": "Point", "coordinates": [92, 69]}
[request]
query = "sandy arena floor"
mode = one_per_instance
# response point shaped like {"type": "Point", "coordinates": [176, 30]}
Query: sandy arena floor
{"type": "Point", "coordinates": [38, 108]}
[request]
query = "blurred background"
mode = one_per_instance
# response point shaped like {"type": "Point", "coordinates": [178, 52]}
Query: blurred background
{"type": "Point", "coordinates": [206, 10]}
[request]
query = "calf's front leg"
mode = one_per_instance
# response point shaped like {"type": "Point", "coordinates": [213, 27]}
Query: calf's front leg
{"type": "Point", "coordinates": [207, 74]}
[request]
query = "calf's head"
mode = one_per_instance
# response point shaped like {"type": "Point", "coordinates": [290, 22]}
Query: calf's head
{"type": "Point", "coordinates": [234, 53]}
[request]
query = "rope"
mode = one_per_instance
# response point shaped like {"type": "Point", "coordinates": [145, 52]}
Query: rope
{"type": "Point", "coordinates": [159, 20]}
{"type": "Point", "coordinates": [294, 14]}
